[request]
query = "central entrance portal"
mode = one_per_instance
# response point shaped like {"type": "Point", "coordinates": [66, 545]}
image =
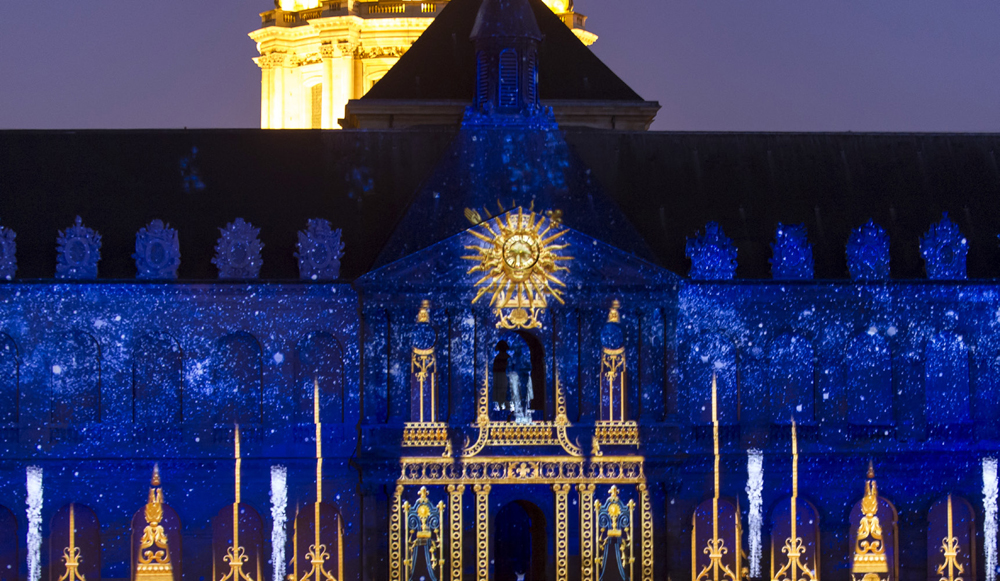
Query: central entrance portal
{"type": "Point", "coordinates": [519, 543]}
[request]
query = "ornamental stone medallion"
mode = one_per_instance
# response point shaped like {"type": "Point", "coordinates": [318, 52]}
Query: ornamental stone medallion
{"type": "Point", "coordinates": [712, 254]}
{"type": "Point", "coordinates": [319, 251]}
{"type": "Point", "coordinates": [868, 253]}
{"type": "Point", "coordinates": [78, 252]}
{"type": "Point", "coordinates": [237, 254]}
{"type": "Point", "coordinates": [157, 252]}
{"type": "Point", "coordinates": [8, 253]}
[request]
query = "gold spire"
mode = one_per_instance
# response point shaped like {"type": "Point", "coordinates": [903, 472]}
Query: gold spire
{"type": "Point", "coordinates": [154, 563]}
{"type": "Point", "coordinates": [317, 554]}
{"type": "Point", "coordinates": [71, 554]}
{"type": "Point", "coordinates": [950, 548]}
{"type": "Point", "coordinates": [869, 550]}
{"type": "Point", "coordinates": [236, 555]}
{"type": "Point", "coordinates": [794, 569]}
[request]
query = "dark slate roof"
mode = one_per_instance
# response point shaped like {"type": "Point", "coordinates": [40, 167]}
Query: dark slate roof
{"type": "Point", "coordinates": [441, 64]}
{"type": "Point", "coordinates": [671, 184]}
{"type": "Point", "coordinates": [667, 184]}
{"type": "Point", "coordinates": [118, 181]}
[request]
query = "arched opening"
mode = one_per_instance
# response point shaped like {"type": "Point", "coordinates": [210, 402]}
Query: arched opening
{"type": "Point", "coordinates": [517, 391]}
{"type": "Point", "coordinates": [946, 375]}
{"type": "Point", "coordinates": [519, 542]}
{"type": "Point", "coordinates": [951, 524]}
{"type": "Point", "coordinates": [705, 356]}
{"type": "Point", "coordinates": [76, 380]}
{"type": "Point", "coordinates": [791, 378]}
{"type": "Point", "coordinates": [76, 526]}
{"type": "Point", "coordinates": [320, 361]}
{"type": "Point", "coordinates": [157, 380]}
{"type": "Point", "coordinates": [331, 536]}
{"type": "Point", "coordinates": [237, 386]}
{"type": "Point", "coordinates": [251, 539]}
{"type": "Point", "coordinates": [869, 381]}
{"type": "Point", "coordinates": [9, 367]}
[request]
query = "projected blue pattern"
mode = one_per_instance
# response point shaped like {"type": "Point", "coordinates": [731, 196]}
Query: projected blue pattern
{"type": "Point", "coordinates": [319, 251]}
{"type": "Point", "coordinates": [237, 254]}
{"type": "Point", "coordinates": [157, 252]}
{"type": "Point", "coordinates": [944, 250]}
{"type": "Point", "coordinates": [712, 254]}
{"type": "Point", "coordinates": [8, 253]}
{"type": "Point", "coordinates": [791, 257]}
{"type": "Point", "coordinates": [868, 253]}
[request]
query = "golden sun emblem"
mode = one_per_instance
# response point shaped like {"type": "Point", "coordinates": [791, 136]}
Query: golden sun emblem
{"type": "Point", "coordinates": [519, 265]}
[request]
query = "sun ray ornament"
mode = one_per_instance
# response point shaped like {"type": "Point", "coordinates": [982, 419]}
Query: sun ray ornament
{"type": "Point", "coordinates": [519, 266]}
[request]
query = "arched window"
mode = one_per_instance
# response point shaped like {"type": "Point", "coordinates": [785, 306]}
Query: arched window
{"type": "Point", "coordinates": [963, 538]}
{"type": "Point", "coordinates": [237, 387]}
{"type": "Point", "coordinates": [9, 565]}
{"type": "Point", "coordinates": [75, 524]}
{"type": "Point", "coordinates": [9, 390]}
{"type": "Point", "coordinates": [888, 518]}
{"type": "Point", "coordinates": [76, 379]}
{"type": "Point", "coordinates": [705, 355]}
{"type": "Point", "coordinates": [947, 379]}
{"type": "Point", "coordinates": [157, 380]}
{"type": "Point", "coordinates": [806, 528]}
{"type": "Point", "coordinates": [508, 78]}
{"type": "Point", "coordinates": [331, 535]}
{"type": "Point", "coordinates": [251, 538]}
{"type": "Point", "coordinates": [320, 360]}
{"type": "Point", "coordinates": [791, 380]}
{"type": "Point", "coordinates": [869, 381]}
{"type": "Point", "coordinates": [703, 531]}
{"type": "Point", "coordinates": [519, 537]}
{"type": "Point", "coordinates": [517, 387]}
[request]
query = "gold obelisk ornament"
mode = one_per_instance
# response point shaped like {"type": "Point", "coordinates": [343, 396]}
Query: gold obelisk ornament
{"type": "Point", "coordinates": [236, 555]}
{"type": "Point", "coordinates": [869, 549]}
{"type": "Point", "coordinates": [951, 568]}
{"type": "Point", "coordinates": [71, 554]}
{"type": "Point", "coordinates": [318, 555]}
{"type": "Point", "coordinates": [153, 563]}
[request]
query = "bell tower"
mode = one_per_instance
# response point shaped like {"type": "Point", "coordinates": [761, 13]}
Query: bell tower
{"type": "Point", "coordinates": [506, 38]}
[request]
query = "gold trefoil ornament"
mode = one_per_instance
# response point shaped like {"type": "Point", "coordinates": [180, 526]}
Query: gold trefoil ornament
{"type": "Point", "coordinates": [519, 264]}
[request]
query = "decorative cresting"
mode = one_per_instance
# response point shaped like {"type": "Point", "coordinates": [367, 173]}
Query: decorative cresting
{"type": "Point", "coordinates": [868, 253]}
{"type": "Point", "coordinates": [715, 562]}
{"type": "Point", "coordinates": [236, 555]}
{"type": "Point", "coordinates": [615, 536]}
{"type": "Point", "coordinates": [71, 554]}
{"type": "Point", "coordinates": [319, 251]}
{"type": "Point", "coordinates": [613, 367]}
{"type": "Point", "coordinates": [424, 536]}
{"type": "Point", "coordinates": [950, 569]}
{"type": "Point", "coordinates": [791, 253]}
{"type": "Point", "coordinates": [8, 253]}
{"type": "Point", "coordinates": [318, 554]}
{"type": "Point", "coordinates": [712, 254]}
{"type": "Point", "coordinates": [519, 264]}
{"type": "Point", "coordinates": [869, 548]}
{"type": "Point", "coordinates": [78, 251]}
{"type": "Point", "coordinates": [157, 251]}
{"type": "Point", "coordinates": [796, 567]}
{"type": "Point", "coordinates": [237, 253]}
{"type": "Point", "coordinates": [153, 563]}
{"type": "Point", "coordinates": [944, 251]}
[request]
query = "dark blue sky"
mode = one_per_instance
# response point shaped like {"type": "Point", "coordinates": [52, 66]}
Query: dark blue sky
{"type": "Point", "coordinates": [759, 65]}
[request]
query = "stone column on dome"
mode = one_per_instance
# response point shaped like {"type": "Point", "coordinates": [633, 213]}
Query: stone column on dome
{"type": "Point", "coordinates": [328, 51]}
{"type": "Point", "coordinates": [277, 90]}
{"type": "Point", "coordinates": [264, 62]}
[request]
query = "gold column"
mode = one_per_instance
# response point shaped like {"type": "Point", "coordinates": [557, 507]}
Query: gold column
{"type": "Point", "coordinates": [647, 532]}
{"type": "Point", "coordinates": [562, 531]}
{"type": "Point", "coordinates": [455, 500]}
{"type": "Point", "coordinates": [586, 492]}
{"type": "Point", "coordinates": [395, 554]}
{"type": "Point", "coordinates": [482, 531]}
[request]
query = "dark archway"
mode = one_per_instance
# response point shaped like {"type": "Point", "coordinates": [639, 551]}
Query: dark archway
{"type": "Point", "coordinates": [521, 354]}
{"type": "Point", "coordinates": [8, 546]}
{"type": "Point", "coordinates": [519, 542]}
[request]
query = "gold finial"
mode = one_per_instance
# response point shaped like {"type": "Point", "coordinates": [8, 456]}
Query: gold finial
{"type": "Point", "coordinates": [871, 470]}
{"type": "Point", "coordinates": [156, 475]}
{"type": "Point", "coordinates": [869, 549]}
{"type": "Point", "coordinates": [154, 555]}
{"type": "Point", "coordinates": [613, 315]}
{"type": "Point", "coordinates": [424, 316]}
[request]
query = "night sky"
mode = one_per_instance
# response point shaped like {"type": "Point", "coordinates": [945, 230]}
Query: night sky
{"type": "Point", "coordinates": [756, 65]}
